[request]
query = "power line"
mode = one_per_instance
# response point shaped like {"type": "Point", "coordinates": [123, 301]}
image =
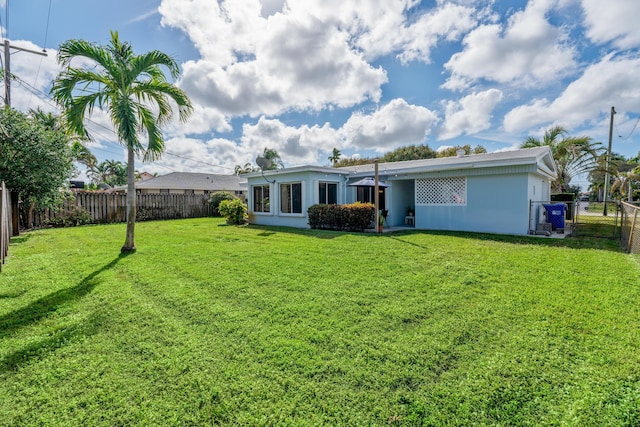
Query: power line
{"type": "Point", "coordinates": [630, 133]}
{"type": "Point", "coordinates": [46, 31]}
{"type": "Point", "coordinates": [45, 97]}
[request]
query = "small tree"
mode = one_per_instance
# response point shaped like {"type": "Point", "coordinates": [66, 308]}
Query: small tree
{"type": "Point", "coordinates": [234, 211]}
{"type": "Point", "coordinates": [35, 161]}
{"type": "Point", "coordinates": [217, 198]}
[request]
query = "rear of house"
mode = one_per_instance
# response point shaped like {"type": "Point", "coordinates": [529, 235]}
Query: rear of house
{"type": "Point", "coordinates": [480, 193]}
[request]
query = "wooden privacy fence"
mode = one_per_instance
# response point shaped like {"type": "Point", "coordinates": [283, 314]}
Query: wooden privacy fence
{"type": "Point", "coordinates": [5, 223]}
{"type": "Point", "coordinates": [630, 228]}
{"type": "Point", "coordinates": [112, 207]}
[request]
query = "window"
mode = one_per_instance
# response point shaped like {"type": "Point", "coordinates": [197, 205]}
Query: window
{"type": "Point", "coordinates": [164, 191]}
{"type": "Point", "coordinates": [291, 198]}
{"type": "Point", "coordinates": [442, 191]}
{"type": "Point", "coordinates": [366, 194]}
{"type": "Point", "coordinates": [328, 193]}
{"type": "Point", "coordinates": [189, 191]}
{"type": "Point", "coordinates": [261, 198]}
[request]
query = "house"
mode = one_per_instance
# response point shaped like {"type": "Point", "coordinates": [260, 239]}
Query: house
{"type": "Point", "coordinates": [191, 183]}
{"type": "Point", "coordinates": [491, 192]}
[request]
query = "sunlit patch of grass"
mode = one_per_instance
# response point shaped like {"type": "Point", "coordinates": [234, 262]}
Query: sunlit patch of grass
{"type": "Point", "coordinates": [213, 324]}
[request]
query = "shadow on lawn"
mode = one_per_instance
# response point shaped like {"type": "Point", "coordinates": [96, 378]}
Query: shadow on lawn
{"type": "Point", "coordinates": [14, 360]}
{"type": "Point", "coordinates": [11, 322]}
{"type": "Point", "coordinates": [569, 242]}
{"type": "Point", "coordinates": [270, 230]}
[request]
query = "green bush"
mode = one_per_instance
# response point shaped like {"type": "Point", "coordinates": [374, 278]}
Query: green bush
{"type": "Point", "coordinates": [234, 211]}
{"type": "Point", "coordinates": [354, 217]}
{"type": "Point", "coordinates": [217, 198]}
{"type": "Point", "coordinates": [71, 218]}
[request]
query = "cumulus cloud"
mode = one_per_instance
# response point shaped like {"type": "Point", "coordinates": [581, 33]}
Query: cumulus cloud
{"type": "Point", "coordinates": [296, 145]}
{"type": "Point", "coordinates": [390, 31]}
{"type": "Point", "coordinates": [613, 21]}
{"type": "Point", "coordinates": [393, 125]}
{"type": "Point", "coordinates": [470, 114]}
{"type": "Point", "coordinates": [269, 57]}
{"type": "Point", "coordinates": [611, 81]}
{"type": "Point", "coordinates": [527, 51]}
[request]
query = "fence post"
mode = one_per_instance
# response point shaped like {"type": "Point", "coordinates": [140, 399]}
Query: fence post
{"type": "Point", "coordinates": [632, 230]}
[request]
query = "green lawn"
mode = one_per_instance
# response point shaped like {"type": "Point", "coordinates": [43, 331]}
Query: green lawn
{"type": "Point", "coordinates": [212, 324]}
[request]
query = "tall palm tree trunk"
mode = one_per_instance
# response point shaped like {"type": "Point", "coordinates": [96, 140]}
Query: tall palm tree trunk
{"type": "Point", "coordinates": [129, 244]}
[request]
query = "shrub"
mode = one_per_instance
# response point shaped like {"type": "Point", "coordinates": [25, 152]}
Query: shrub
{"type": "Point", "coordinates": [234, 211]}
{"type": "Point", "coordinates": [71, 218]}
{"type": "Point", "coordinates": [217, 198]}
{"type": "Point", "coordinates": [355, 217]}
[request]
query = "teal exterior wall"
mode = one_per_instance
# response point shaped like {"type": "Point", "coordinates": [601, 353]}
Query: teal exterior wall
{"type": "Point", "coordinates": [401, 196]}
{"type": "Point", "coordinates": [310, 193]}
{"type": "Point", "coordinates": [495, 204]}
{"type": "Point", "coordinates": [497, 200]}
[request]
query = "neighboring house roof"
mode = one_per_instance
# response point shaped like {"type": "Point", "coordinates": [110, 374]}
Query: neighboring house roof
{"type": "Point", "coordinates": [145, 176]}
{"type": "Point", "coordinates": [540, 156]}
{"type": "Point", "coordinates": [193, 181]}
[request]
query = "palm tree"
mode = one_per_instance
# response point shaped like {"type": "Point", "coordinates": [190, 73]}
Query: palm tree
{"type": "Point", "coordinates": [134, 91]}
{"type": "Point", "coordinates": [272, 155]}
{"type": "Point", "coordinates": [624, 182]}
{"type": "Point", "coordinates": [247, 168]}
{"type": "Point", "coordinates": [335, 156]}
{"type": "Point", "coordinates": [573, 155]}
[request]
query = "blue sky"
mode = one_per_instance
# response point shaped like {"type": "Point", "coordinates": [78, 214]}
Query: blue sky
{"type": "Point", "coordinates": [363, 76]}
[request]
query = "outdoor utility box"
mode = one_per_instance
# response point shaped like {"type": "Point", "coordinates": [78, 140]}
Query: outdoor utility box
{"type": "Point", "coordinates": [555, 215]}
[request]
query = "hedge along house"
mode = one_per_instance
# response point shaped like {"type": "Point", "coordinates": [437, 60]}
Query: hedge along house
{"type": "Point", "coordinates": [489, 193]}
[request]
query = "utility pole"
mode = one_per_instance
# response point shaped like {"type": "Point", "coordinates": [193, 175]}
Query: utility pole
{"type": "Point", "coordinates": [376, 200]}
{"type": "Point", "coordinates": [7, 101]}
{"type": "Point", "coordinates": [7, 68]}
{"type": "Point", "coordinates": [608, 160]}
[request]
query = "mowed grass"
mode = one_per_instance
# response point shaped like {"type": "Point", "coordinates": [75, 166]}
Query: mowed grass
{"type": "Point", "coordinates": [212, 324]}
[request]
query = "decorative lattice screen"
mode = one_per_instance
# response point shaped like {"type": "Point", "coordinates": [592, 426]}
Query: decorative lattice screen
{"type": "Point", "coordinates": [441, 191]}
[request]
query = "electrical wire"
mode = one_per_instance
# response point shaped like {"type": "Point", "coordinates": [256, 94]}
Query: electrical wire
{"type": "Point", "coordinates": [44, 46]}
{"type": "Point", "coordinates": [46, 98]}
{"type": "Point", "coordinates": [46, 30]}
{"type": "Point", "coordinates": [630, 133]}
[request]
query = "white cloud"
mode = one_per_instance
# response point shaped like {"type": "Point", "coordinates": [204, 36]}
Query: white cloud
{"type": "Point", "coordinates": [528, 52]}
{"type": "Point", "coordinates": [612, 81]}
{"type": "Point", "coordinates": [615, 21]}
{"type": "Point", "coordinates": [301, 145]}
{"type": "Point", "coordinates": [470, 114]}
{"type": "Point", "coordinates": [393, 125]}
{"type": "Point", "coordinates": [297, 64]}
{"type": "Point", "coordinates": [269, 57]}
{"type": "Point", "coordinates": [390, 31]}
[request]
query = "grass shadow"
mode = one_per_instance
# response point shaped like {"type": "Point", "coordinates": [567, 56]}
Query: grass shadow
{"type": "Point", "coordinates": [20, 239]}
{"type": "Point", "coordinates": [11, 322]}
{"type": "Point", "coordinates": [270, 230]}
{"type": "Point", "coordinates": [14, 360]}
{"type": "Point", "coordinates": [14, 294]}
{"type": "Point", "coordinates": [568, 242]}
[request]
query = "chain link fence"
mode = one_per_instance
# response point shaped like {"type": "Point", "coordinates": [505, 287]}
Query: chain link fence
{"type": "Point", "coordinates": [597, 219]}
{"type": "Point", "coordinates": [630, 227]}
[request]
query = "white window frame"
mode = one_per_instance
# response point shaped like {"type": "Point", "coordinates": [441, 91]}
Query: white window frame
{"type": "Point", "coordinates": [297, 214]}
{"type": "Point", "coordinates": [253, 199]}
{"type": "Point", "coordinates": [324, 202]}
